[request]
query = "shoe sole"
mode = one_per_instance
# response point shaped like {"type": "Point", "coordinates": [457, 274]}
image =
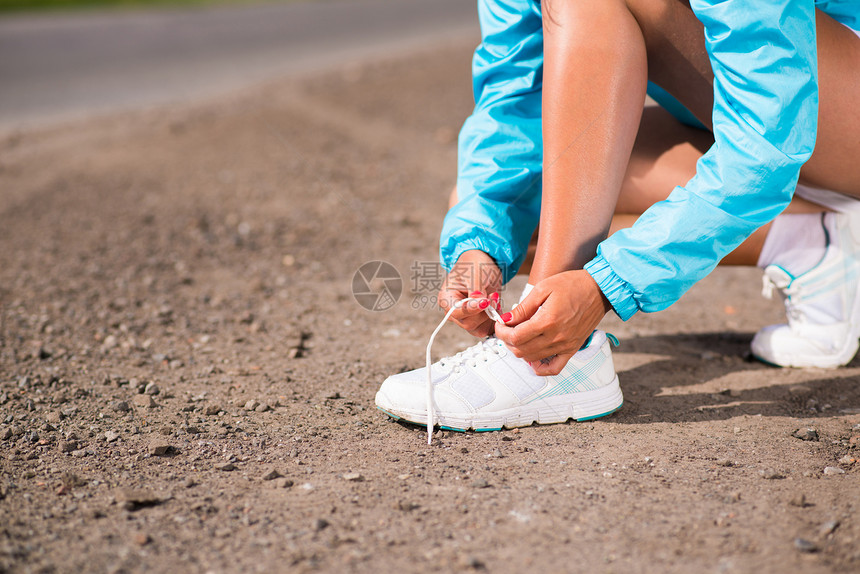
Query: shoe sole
{"type": "Point", "coordinates": [834, 361]}
{"type": "Point", "coordinates": [583, 406]}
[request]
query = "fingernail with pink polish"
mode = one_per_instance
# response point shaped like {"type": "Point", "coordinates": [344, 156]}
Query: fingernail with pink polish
{"type": "Point", "coordinates": [484, 304]}
{"type": "Point", "coordinates": [507, 317]}
{"type": "Point", "coordinates": [494, 296]}
{"type": "Point", "coordinates": [475, 294]}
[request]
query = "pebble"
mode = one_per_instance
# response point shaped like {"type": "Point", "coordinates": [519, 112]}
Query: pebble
{"type": "Point", "coordinates": [142, 539]}
{"type": "Point", "coordinates": [145, 401]}
{"type": "Point", "coordinates": [804, 545]}
{"type": "Point", "coordinates": [190, 482]}
{"type": "Point", "coordinates": [134, 498]}
{"type": "Point", "coordinates": [111, 436]}
{"type": "Point", "coordinates": [471, 562]}
{"type": "Point", "coordinates": [847, 459]}
{"type": "Point", "coordinates": [212, 410]}
{"type": "Point", "coordinates": [828, 527]}
{"type": "Point", "coordinates": [353, 477]}
{"type": "Point", "coordinates": [480, 483]}
{"type": "Point", "coordinates": [725, 462]}
{"type": "Point", "coordinates": [272, 475]}
{"type": "Point", "coordinates": [226, 467]}
{"type": "Point", "coordinates": [406, 506]}
{"type": "Point", "coordinates": [158, 447]}
{"type": "Point", "coordinates": [283, 483]}
{"type": "Point", "coordinates": [807, 434]}
{"type": "Point", "coordinates": [833, 470]}
{"type": "Point", "coordinates": [251, 405]}
{"type": "Point", "coordinates": [151, 389]}
{"type": "Point", "coordinates": [6, 434]}
{"type": "Point", "coordinates": [68, 445]}
{"type": "Point", "coordinates": [262, 408]}
{"type": "Point", "coordinates": [121, 406]}
{"type": "Point", "coordinates": [54, 417]}
{"type": "Point", "coordinates": [798, 500]}
{"type": "Point", "coordinates": [771, 474]}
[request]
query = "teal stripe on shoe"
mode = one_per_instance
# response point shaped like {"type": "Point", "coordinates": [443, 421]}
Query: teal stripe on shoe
{"type": "Point", "coordinates": [584, 419]}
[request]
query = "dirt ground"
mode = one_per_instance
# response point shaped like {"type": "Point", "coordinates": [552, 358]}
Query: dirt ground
{"type": "Point", "coordinates": [187, 383]}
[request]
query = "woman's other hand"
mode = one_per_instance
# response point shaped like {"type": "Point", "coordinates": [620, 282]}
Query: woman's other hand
{"type": "Point", "coordinates": [553, 322]}
{"type": "Point", "coordinates": [475, 275]}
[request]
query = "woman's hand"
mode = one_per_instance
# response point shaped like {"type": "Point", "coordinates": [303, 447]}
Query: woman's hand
{"type": "Point", "coordinates": [553, 322]}
{"type": "Point", "coordinates": [476, 275]}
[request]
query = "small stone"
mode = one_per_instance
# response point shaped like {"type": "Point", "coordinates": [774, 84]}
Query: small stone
{"type": "Point", "coordinates": [798, 500]}
{"type": "Point", "coordinates": [732, 498]}
{"type": "Point", "coordinates": [725, 462]}
{"type": "Point", "coordinates": [847, 460]}
{"type": "Point", "coordinates": [497, 454]}
{"type": "Point", "coordinates": [190, 482]}
{"type": "Point", "coordinates": [807, 434]}
{"type": "Point", "coordinates": [226, 467]}
{"type": "Point", "coordinates": [833, 470]}
{"type": "Point", "coordinates": [151, 389]}
{"type": "Point", "coordinates": [472, 563]}
{"type": "Point", "coordinates": [212, 410]}
{"type": "Point", "coordinates": [111, 435]}
{"type": "Point", "coordinates": [6, 434]}
{"type": "Point", "coordinates": [827, 528]}
{"type": "Point", "coordinates": [320, 524]}
{"type": "Point", "coordinates": [262, 408]}
{"type": "Point", "coordinates": [353, 477]}
{"type": "Point", "coordinates": [480, 483]}
{"type": "Point", "coordinates": [272, 475]}
{"type": "Point", "coordinates": [803, 545]}
{"type": "Point", "coordinates": [158, 447]}
{"type": "Point", "coordinates": [251, 405]}
{"type": "Point", "coordinates": [68, 445]}
{"type": "Point", "coordinates": [854, 440]}
{"type": "Point", "coordinates": [120, 406]}
{"type": "Point", "coordinates": [142, 539]}
{"type": "Point", "coordinates": [770, 474]}
{"type": "Point", "coordinates": [134, 498]}
{"type": "Point", "coordinates": [283, 483]}
{"type": "Point", "coordinates": [144, 401]}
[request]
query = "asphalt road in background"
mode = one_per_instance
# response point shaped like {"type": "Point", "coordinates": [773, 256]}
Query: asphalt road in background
{"type": "Point", "coordinates": [61, 66]}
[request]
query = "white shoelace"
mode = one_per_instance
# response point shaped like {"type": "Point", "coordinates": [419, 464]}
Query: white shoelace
{"type": "Point", "coordinates": [491, 313]}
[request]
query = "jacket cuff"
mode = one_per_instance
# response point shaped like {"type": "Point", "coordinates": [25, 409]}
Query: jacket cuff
{"type": "Point", "coordinates": [616, 290]}
{"type": "Point", "coordinates": [459, 245]}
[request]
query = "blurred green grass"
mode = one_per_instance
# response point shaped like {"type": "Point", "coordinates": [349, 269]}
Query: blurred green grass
{"type": "Point", "coordinates": [7, 6]}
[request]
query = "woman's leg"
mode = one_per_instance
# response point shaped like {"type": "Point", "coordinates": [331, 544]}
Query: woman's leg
{"type": "Point", "coordinates": [594, 80]}
{"type": "Point", "coordinates": [583, 130]}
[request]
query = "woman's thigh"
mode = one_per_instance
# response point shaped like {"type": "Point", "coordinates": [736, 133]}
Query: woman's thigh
{"type": "Point", "coordinates": [835, 163]}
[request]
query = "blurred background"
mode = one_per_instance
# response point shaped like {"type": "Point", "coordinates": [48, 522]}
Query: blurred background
{"type": "Point", "coordinates": [64, 58]}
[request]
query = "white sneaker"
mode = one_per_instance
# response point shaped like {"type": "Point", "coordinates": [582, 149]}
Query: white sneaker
{"type": "Point", "coordinates": [487, 388]}
{"type": "Point", "coordinates": [822, 305]}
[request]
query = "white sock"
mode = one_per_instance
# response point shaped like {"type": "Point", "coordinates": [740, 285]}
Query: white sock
{"type": "Point", "coordinates": [526, 290]}
{"type": "Point", "coordinates": [795, 242]}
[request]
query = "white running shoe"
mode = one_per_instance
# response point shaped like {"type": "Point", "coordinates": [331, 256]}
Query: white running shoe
{"type": "Point", "coordinates": [822, 305]}
{"type": "Point", "coordinates": [487, 388]}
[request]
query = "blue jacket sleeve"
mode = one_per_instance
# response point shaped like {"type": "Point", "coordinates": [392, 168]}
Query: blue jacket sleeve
{"type": "Point", "coordinates": [500, 145]}
{"type": "Point", "coordinates": [765, 118]}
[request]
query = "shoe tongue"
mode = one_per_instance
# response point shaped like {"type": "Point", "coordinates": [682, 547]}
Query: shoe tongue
{"type": "Point", "coordinates": [778, 276]}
